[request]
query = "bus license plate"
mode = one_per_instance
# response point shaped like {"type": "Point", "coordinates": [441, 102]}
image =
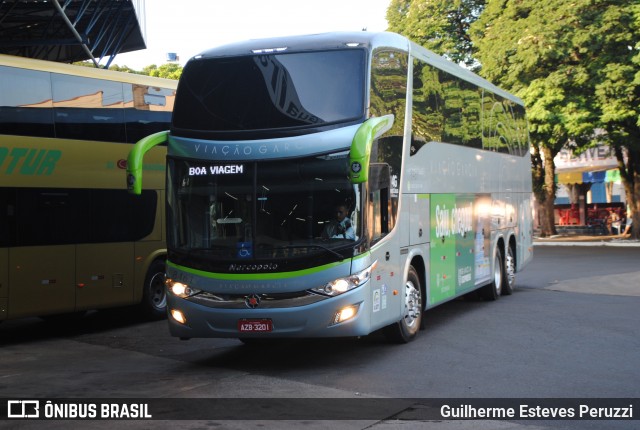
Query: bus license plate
{"type": "Point", "coordinates": [255, 326]}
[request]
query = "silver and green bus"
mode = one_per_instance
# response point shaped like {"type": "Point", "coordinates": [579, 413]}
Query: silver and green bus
{"type": "Point", "coordinates": [72, 238]}
{"type": "Point", "coordinates": [424, 165]}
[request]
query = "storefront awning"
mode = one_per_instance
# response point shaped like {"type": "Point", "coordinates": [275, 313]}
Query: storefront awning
{"type": "Point", "coordinates": [612, 175]}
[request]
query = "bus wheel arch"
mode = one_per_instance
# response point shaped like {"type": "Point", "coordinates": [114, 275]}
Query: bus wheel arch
{"type": "Point", "coordinates": [406, 329]}
{"type": "Point", "coordinates": [154, 294]}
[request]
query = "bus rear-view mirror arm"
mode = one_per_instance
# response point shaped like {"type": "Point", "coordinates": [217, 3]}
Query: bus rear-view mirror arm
{"type": "Point", "coordinates": [366, 134]}
{"type": "Point", "coordinates": [135, 159]}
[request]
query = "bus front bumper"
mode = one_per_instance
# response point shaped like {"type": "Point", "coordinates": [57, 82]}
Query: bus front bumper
{"type": "Point", "coordinates": [327, 318]}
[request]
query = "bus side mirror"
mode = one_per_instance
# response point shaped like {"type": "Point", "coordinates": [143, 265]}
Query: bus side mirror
{"type": "Point", "coordinates": [360, 152]}
{"type": "Point", "coordinates": [135, 158]}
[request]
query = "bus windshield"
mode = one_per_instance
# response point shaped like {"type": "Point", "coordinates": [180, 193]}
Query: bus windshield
{"type": "Point", "coordinates": [270, 91]}
{"type": "Point", "coordinates": [261, 210]}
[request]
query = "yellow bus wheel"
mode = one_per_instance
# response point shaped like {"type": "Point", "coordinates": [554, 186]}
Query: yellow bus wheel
{"type": "Point", "coordinates": [154, 297]}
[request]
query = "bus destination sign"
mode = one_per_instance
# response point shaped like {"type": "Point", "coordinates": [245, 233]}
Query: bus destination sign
{"type": "Point", "coordinates": [229, 169]}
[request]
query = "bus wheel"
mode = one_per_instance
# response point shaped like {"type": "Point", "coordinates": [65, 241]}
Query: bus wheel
{"type": "Point", "coordinates": [509, 273]}
{"type": "Point", "coordinates": [493, 290]}
{"type": "Point", "coordinates": [154, 296]}
{"type": "Point", "coordinates": [407, 328]}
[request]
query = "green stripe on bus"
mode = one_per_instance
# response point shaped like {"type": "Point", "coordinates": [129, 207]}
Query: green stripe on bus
{"type": "Point", "coordinates": [261, 276]}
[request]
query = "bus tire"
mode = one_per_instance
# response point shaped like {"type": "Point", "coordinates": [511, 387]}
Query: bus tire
{"type": "Point", "coordinates": [509, 273]}
{"type": "Point", "coordinates": [493, 290]}
{"type": "Point", "coordinates": [154, 296]}
{"type": "Point", "coordinates": [407, 328]}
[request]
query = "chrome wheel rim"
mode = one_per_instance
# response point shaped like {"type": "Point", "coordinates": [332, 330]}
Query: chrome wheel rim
{"type": "Point", "coordinates": [510, 269]}
{"type": "Point", "coordinates": [157, 292]}
{"type": "Point", "coordinates": [497, 275]}
{"type": "Point", "coordinates": [413, 303]}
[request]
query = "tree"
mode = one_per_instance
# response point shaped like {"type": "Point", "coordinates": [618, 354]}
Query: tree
{"type": "Point", "coordinates": [616, 75]}
{"type": "Point", "coordinates": [556, 55]}
{"type": "Point", "coordinates": [439, 25]}
{"type": "Point", "coordinates": [168, 70]}
{"type": "Point", "coordinates": [124, 69]}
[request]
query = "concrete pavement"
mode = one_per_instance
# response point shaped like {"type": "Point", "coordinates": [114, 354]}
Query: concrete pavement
{"type": "Point", "coordinates": [565, 240]}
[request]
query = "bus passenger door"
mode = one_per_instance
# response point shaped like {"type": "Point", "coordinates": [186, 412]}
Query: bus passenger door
{"type": "Point", "coordinates": [41, 280]}
{"type": "Point", "coordinates": [104, 275]}
{"type": "Point", "coordinates": [387, 276]}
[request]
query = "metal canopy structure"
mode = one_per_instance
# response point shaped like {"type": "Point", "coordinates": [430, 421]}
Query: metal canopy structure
{"type": "Point", "coordinates": [71, 30]}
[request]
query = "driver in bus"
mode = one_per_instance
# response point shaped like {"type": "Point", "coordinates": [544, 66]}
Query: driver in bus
{"type": "Point", "coordinates": [340, 227]}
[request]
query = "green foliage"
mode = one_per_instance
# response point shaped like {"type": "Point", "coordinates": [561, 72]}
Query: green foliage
{"type": "Point", "coordinates": [575, 64]}
{"type": "Point", "coordinates": [389, 88]}
{"type": "Point", "coordinates": [124, 69]}
{"type": "Point", "coordinates": [449, 109]}
{"type": "Point", "coordinates": [169, 71]}
{"type": "Point", "coordinates": [83, 64]}
{"type": "Point", "coordinates": [536, 50]}
{"type": "Point", "coordinates": [570, 60]}
{"type": "Point", "coordinates": [439, 25]}
{"type": "Point", "coordinates": [428, 94]}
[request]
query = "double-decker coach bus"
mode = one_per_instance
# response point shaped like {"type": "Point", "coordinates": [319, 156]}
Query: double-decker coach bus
{"type": "Point", "coordinates": [71, 237]}
{"type": "Point", "coordinates": [337, 184]}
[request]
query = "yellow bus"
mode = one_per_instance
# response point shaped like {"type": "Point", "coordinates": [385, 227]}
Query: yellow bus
{"type": "Point", "coordinates": [71, 237]}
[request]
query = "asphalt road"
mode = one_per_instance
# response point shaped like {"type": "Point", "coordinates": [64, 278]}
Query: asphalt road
{"type": "Point", "coordinates": [570, 330]}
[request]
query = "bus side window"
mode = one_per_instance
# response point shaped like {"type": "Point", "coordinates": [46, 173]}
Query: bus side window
{"type": "Point", "coordinates": [25, 103]}
{"type": "Point", "coordinates": [88, 108]}
{"type": "Point", "coordinates": [378, 205]}
{"type": "Point", "coordinates": [147, 110]}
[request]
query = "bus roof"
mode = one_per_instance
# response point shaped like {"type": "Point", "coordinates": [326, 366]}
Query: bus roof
{"type": "Point", "coordinates": [87, 72]}
{"type": "Point", "coordinates": [342, 40]}
{"type": "Point", "coordinates": [309, 42]}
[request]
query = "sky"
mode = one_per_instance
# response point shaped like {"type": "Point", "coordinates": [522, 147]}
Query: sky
{"type": "Point", "coordinates": [187, 27]}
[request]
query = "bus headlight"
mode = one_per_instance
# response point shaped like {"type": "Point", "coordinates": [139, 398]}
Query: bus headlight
{"type": "Point", "coordinates": [342, 285]}
{"type": "Point", "coordinates": [181, 289]}
{"type": "Point", "coordinates": [178, 316]}
{"type": "Point", "coordinates": [345, 314]}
